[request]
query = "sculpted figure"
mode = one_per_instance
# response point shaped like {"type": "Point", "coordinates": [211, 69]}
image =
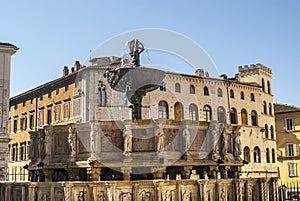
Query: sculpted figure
{"type": "Point", "coordinates": [101, 196]}
{"type": "Point", "coordinates": [94, 131]}
{"type": "Point", "coordinates": [187, 136]}
{"type": "Point", "coordinates": [237, 146]}
{"type": "Point", "coordinates": [145, 196]}
{"type": "Point", "coordinates": [160, 138]}
{"type": "Point", "coordinates": [125, 197]}
{"type": "Point", "coordinates": [71, 140]}
{"type": "Point", "coordinates": [127, 136]}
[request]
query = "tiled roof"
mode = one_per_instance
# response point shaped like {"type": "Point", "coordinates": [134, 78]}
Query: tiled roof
{"type": "Point", "coordinates": [280, 108]}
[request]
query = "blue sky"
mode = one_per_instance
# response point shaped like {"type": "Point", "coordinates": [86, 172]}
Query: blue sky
{"type": "Point", "coordinates": [52, 34]}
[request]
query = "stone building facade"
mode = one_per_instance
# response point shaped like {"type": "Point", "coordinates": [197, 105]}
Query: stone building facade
{"type": "Point", "coordinates": [49, 104]}
{"type": "Point", "coordinates": [6, 51]}
{"type": "Point", "coordinates": [191, 126]}
{"type": "Point", "coordinates": [288, 146]}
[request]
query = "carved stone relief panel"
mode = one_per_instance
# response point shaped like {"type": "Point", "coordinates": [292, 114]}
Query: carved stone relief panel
{"type": "Point", "coordinates": [84, 141]}
{"type": "Point", "coordinates": [188, 192]}
{"type": "Point", "coordinates": [142, 141]}
{"type": "Point", "coordinates": [197, 140]}
{"type": "Point", "coordinates": [100, 195]}
{"type": "Point", "coordinates": [146, 194]}
{"type": "Point", "coordinates": [80, 195]}
{"type": "Point", "coordinates": [111, 140]}
{"type": "Point", "coordinates": [172, 139]}
{"type": "Point", "coordinates": [61, 143]}
{"type": "Point", "coordinates": [58, 194]}
{"type": "Point", "coordinates": [44, 195]}
{"type": "Point", "coordinates": [124, 193]}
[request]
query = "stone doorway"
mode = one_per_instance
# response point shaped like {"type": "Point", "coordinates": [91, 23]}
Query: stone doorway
{"type": "Point", "coordinates": [178, 111]}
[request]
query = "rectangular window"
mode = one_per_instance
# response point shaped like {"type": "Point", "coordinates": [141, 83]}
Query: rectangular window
{"type": "Point", "coordinates": [31, 120]}
{"type": "Point", "coordinates": [292, 169]}
{"type": "Point", "coordinates": [66, 87]}
{"type": "Point", "coordinates": [76, 107]}
{"type": "Point", "coordinates": [9, 152]}
{"type": "Point", "coordinates": [28, 151]}
{"type": "Point", "coordinates": [23, 151]}
{"type": "Point", "coordinates": [67, 110]}
{"type": "Point", "coordinates": [49, 116]}
{"type": "Point", "coordinates": [289, 124]}
{"type": "Point", "coordinates": [15, 124]}
{"type": "Point", "coordinates": [57, 113]}
{"type": "Point", "coordinates": [14, 152]}
{"type": "Point", "coordinates": [290, 150]}
{"type": "Point", "coordinates": [14, 173]}
{"type": "Point", "coordinates": [41, 117]}
{"type": "Point", "coordinates": [22, 174]}
{"type": "Point", "coordinates": [23, 123]}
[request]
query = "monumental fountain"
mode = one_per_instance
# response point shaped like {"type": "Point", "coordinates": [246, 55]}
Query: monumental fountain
{"type": "Point", "coordinates": [134, 80]}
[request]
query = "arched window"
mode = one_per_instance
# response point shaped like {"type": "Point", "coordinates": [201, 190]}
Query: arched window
{"type": "Point", "coordinates": [252, 97]}
{"type": "Point", "coordinates": [272, 132]}
{"type": "Point", "coordinates": [207, 113]}
{"type": "Point", "coordinates": [163, 110]}
{"type": "Point", "coordinates": [231, 93]}
{"type": "Point", "coordinates": [220, 92]}
{"type": "Point", "coordinates": [193, 112]}
{"type": "Point", "coordinates": [242, 95]}
{"type": "Point", "coordinates": [265, 107]}
{"type": "Point", "coordinates": [269, 87]}
{"type": "Point", "coordinates": [247, 154]}
{"type": "Point", "coordinates": [270, 109]}
{"type": "Point", "coordinates": [205, 90]}
{"type": "Point", "coordinates": [256, 155]}
{"type": "Point", "coordinates": [192, 89]}
{"type": "Point", "coordinates": [244, 116]}
{"type": "Point", "coordinates": [254, 118]}
{"type": "Point", "coordinates": [178, 111]}
{"type": "Point", "coordinates": [162, 87]}
{"type": "Point", "coordinates": [268, 155]}
{"type": "Point", "coordinates": [233, 116]}
{"type": "Point", "coordinates": [101, 93]}
{"type": "Point", "coordinates": [177, 88]}
{"type": "Point", "coordinates": [273, 156]}
{"type": "Point", "coordinates": [221, 115]}
{"type": "Point", "coordinates": [266, 131]}
{"type": "Point", "coordinates": [263, 84]}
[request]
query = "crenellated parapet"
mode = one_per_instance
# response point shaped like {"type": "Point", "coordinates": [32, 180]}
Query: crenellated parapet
{"type": "Point", "coordinates": [254, 69]}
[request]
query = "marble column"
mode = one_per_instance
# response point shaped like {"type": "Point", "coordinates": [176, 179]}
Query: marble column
{"type": "Point", "coordinates": [187, 172]}
{"type": "Point", "coordinates": [158, 172]}
{"type": "Point", "coordinates": [126, 173]}
{"type": "Point", "coordinates": [48, 175]}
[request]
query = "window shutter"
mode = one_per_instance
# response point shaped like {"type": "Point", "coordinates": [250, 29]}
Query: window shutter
{"type": "Point", "coordinates": [294, 150]}
{"type": "Point", "coordinates": [286, 146]}
{"type": "Point", "coordinates": [292, 169]}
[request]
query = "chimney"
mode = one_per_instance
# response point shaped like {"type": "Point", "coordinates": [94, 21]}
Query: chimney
{"type": "Point", "coordinates": [223, 76]}
{"type": "Point", "coordinates": [65, 71]}
{"type": "Point", "coordinates": [199, 72]}
{"type": "Point", "coordinates": [77, 65]}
